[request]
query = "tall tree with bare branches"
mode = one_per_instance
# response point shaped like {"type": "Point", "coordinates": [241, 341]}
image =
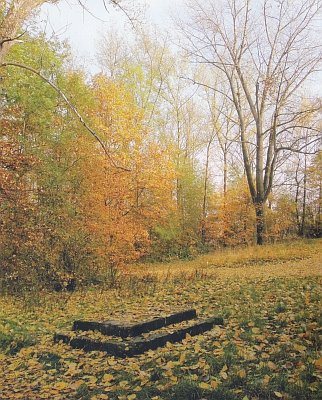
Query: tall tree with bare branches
{"type": "Point", "coordinates": [267, 50]}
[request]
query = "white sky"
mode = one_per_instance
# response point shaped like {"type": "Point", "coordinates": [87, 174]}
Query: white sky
{"type": "Point", "coordinates": [68, 20]}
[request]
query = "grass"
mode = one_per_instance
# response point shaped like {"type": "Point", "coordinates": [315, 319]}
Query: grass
{"type": "Point", "coordinates": [270, 346]}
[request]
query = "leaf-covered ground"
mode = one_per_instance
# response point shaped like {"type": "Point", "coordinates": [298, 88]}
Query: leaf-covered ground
{"type": "Point", "coordinates": [270, 346]}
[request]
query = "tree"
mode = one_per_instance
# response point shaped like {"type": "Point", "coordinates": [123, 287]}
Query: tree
{"type": "Point", "coordinates": [150, 71]}
{"type": "Point", "coordinates": [129, 201]}
{"type": "Point", "coordinates": [13, 14]}
{"type": "Point", "coordinates": [266, 51]}
{"type": "Point", "coordinates": [230, 220]}
{"type": "Point", "coordinates": [45, 235]}
{"type": "Point", "coordinates": [315, 182]}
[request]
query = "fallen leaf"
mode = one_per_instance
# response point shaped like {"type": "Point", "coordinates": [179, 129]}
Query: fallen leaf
{"type": "Point", "coordinates": [61, 385]}
{"type": "Point", "coordinates": [242, 373]}
{"type": "Point", "coordinates": [271, 365]}
{"type": "Point", "coordinates": [107, 378]}
{"type": "Point", "coordinates": [318, 363]}
{"type": "Point", "coordinates": [204, 385]}
{"type": "Point", "coordinates": [76, 384]}
{"type": "Point", "coordinates": [183, 357]}
{"type": "Point", "coordinates": [278, 394]}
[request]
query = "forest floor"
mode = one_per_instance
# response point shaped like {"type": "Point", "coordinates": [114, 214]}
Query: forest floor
{"type": "Point", "coordinates": [269, 347]}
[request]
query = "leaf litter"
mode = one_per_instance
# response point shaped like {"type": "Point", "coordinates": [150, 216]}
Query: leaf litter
{"type": "Point", "coordinates": [270, 345]}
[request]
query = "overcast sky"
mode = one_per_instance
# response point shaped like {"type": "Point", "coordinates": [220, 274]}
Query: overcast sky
{"type": "Point", "coordinates": [69, 21]}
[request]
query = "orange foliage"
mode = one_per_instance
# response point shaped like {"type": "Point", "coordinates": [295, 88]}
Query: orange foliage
{"type": "Point", "coordinates": [231, 221]}
{"type": "Point", "coordinates": [130, 192]}
{"type": "Point", "coordinates": [17, 209]}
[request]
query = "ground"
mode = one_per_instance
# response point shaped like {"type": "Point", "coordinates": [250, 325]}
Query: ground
{"type": "Point", "coordinates": [269, 347]}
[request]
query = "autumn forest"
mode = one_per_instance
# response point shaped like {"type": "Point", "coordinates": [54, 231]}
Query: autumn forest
{"type": "Point", "coordinates": [169, 152]}
{"type": "Point", "coordinates": [160, 220]}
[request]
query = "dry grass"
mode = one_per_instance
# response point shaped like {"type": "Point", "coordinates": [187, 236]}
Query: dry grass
{"type": "Point", "coordinates": [271, 260]}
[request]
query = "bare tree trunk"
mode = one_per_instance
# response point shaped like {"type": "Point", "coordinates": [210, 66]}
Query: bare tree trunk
{"type": "Point", "coordinates": [260, 222]}
{"type": "Point", "coordinates": [303, 222]}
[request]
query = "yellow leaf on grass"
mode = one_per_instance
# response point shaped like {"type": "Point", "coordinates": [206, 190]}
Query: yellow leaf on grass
{"type": "Point", "coordinates": [61, 385]}
{"type": "Point", "coordinates": [197, 347]}
{"type": "Point", "coordinates": [299, 348]}
{"type": "Point", "coordinates": [242, 373]}
{"type": "Point", "coordinates": [271, 365]}
{"type": "Point", "coordinates": [318, 363]}
{"type": "Point", "coordinates": [223, 375]}
{"type": "Point", "coordinates": [107, 378]}
{"type": "Point", "coordinates": [278, 394]}
{"type": "Point", "coordinates": [170, 365]}
{"type": "Point", "coordinates": [265, 356]}
{"type": "Point", "coordinates": [183, 357]}
{"type": "Point", "coordinates": [237, 332]}
{"type": "Point", "coordinates": [255, 330]}
{"type": "Point", "coordinates": [188, 337]}
{"type": "Point", "coordinates": [131, 396]}
{"type": "Point", "coordinates": [204, 385]}
{"type": "Point", "coordinates": [137, 389]}
{"type": "Point", "coordinates": [214, 384]}
{"type": "Point", "coordinates": [93, 379]}
{"type": "Point", "coordinates": [76, 384]}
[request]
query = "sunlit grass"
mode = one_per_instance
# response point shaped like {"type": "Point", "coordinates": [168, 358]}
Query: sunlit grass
{"type": "Point", "coordinates": [214, 262]}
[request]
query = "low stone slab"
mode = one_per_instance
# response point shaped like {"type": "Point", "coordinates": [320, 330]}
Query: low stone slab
{"type": "Point", "coordinates": [138, 345]}
{"type": "Point", "coordinates": [115, 328]}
